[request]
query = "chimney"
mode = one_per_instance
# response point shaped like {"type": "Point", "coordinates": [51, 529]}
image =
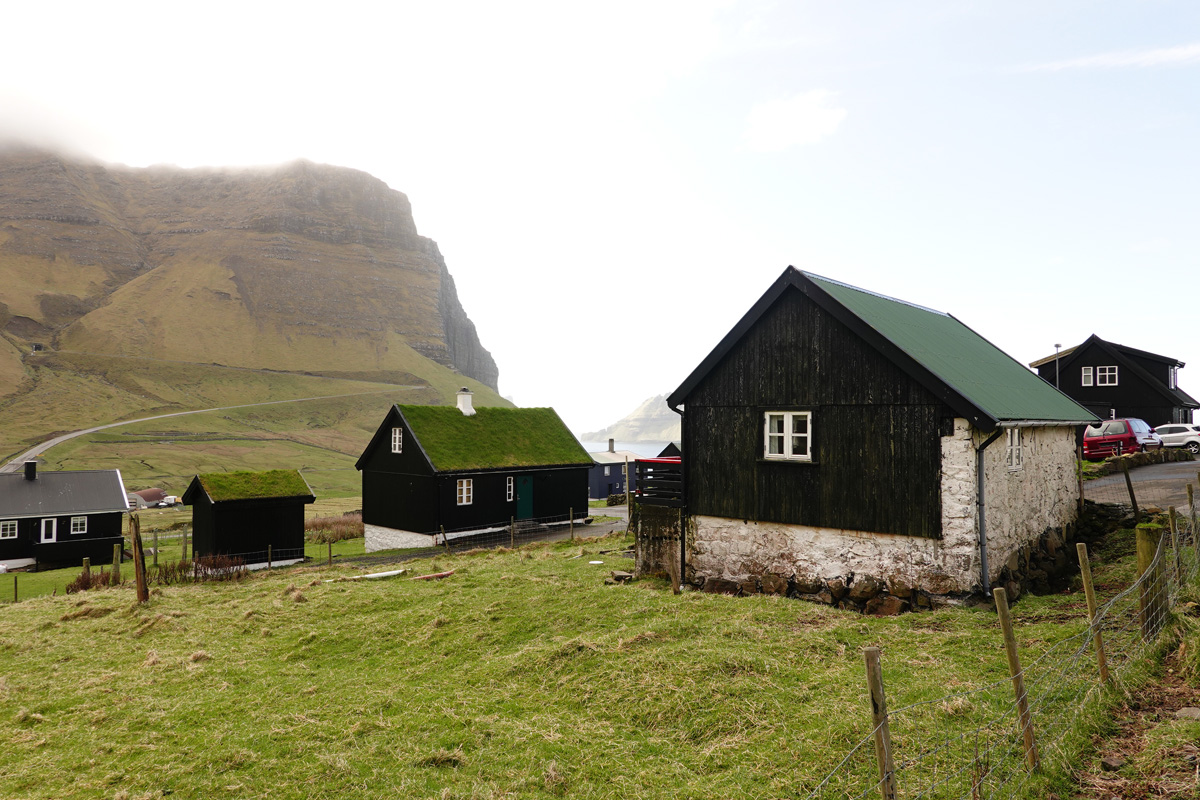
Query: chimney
{"type": "Point", "coordinates": [464, 402]}
{"type": "Point", "coordinates": [31, 470]}
{"type": "Point", "coordinates": [610, 446]}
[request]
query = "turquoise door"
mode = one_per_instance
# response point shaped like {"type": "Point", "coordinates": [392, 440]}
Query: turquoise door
{"type": "Point", "coordinates": [524, 497]}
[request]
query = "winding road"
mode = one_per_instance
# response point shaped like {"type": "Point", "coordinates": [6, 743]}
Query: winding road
{"type": "Point", "coordinates": [17, 463]}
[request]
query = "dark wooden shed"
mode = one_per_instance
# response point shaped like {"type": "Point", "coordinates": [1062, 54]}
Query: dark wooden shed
{"type": "Point", "coordinates": [434, 468]}
{"type": "Point", "coordinates": [60, 518]}
{"type": "Point", "coordinates": [241, 514]}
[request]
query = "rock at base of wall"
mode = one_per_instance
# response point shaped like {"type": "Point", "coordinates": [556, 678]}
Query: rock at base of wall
{"type": "Point", "coordinates": [887, 605]}
{"type": "Point", "coordinates": [720, 586]}
{"type": "Point", "coordinates": [774, 584]}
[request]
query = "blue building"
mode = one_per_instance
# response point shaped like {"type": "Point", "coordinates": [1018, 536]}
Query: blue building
{"type": "Point", "coordinates": [607, 475]}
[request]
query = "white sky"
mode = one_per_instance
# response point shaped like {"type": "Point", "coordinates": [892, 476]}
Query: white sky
{"type": "Point", "coordinates": [593, 171]}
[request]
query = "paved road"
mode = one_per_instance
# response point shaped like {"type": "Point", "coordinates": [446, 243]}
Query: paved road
{"type": "Point", "coordinates": [16, 464]}
{"type": "Point", "coordinates": [1162, 485]}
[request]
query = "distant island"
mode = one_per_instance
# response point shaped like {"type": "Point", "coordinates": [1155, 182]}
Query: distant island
{"type": "Point", "coordinates": [652, 421]}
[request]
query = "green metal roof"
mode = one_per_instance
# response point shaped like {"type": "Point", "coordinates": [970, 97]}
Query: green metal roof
{"type": "Point", "coordinates": [980, 372]}
{"type": "Point", "coordinates": [493, 438]}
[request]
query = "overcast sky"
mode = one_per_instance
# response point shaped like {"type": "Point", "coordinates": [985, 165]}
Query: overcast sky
{"type": "Point", "coordinates": [593, 171]}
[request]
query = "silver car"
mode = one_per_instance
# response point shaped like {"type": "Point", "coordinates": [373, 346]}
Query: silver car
{"type": "Point", "coordinates": [1180, 434]}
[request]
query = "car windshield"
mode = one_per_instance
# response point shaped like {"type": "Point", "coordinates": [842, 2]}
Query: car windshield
{"type": "Point", "coordinates": [1110, 427]}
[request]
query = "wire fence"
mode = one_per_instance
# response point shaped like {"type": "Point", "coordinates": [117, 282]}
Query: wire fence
{"type": "Point", "coordinates": [576, 523]}
{"type": "Point", "coordinates": [998, 740]}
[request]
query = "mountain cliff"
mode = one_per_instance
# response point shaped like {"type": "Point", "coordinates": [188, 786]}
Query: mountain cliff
{"type": "Point", "coordinates": [652, 421]}
{"type": "Point", "coordinates": [299, 268]}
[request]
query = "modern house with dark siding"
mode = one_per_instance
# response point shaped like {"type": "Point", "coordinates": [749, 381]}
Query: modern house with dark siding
{"type": "Point", "coordinates": [430, 469]}
{"type": "Point", "coordinates": [242, 514]}
{"type": "Point", "coordinates": [1114, 381]}
{"type": "Point", "coordinates": [608, 475]}
{"type": "Point", "coordinates": [838, 434]}
{"type": "Point", "coordinates": [60, 517]}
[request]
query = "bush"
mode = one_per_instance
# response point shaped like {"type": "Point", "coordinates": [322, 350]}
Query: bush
{"type": "Point", "coordinates": [616, 499]}
{"type": "Point", "coordinates": [205, 568]}
{"type": "Point", "coordinates": [324, 530]}
{"type": "Point", "coordinates": [93, 580]}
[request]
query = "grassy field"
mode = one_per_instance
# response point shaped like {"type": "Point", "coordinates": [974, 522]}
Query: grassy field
{"type": "Point", "coordinates": [521, 675]}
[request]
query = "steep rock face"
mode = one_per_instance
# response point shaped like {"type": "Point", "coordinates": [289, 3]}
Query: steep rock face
{"type": "Point", "coordinates": [300, 267]}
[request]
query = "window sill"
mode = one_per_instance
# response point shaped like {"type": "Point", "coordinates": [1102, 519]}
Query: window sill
{"type": "Point", "coordinates": [797, 461]}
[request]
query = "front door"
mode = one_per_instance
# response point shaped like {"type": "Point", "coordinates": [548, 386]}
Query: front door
{"type": "Point", "coordinates": [49, 530]}
{"type": "Point", "coordinates": [524, 497]}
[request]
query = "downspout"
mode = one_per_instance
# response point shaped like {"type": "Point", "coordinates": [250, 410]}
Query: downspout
{"type": "Point", "coordinates": [682, 524]}
{"type": "Point", "coordinates": [983, 559]}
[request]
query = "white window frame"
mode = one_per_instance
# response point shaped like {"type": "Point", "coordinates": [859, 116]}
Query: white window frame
{"type": "Point", "coordinates": [466, 490]}
{"type": "Point", "coordinates": [1086, 378]}
{"type": "Point", "coordinates": [510, 491]}
{"type": "Point", "coordinates": [9, 529]}
{"type": "Point", "coordinates": [1106, 378]}
{"type": "Point", "coordinates": [1014, 457]}
{"type": "Point", "coordinates": [397, 440]}
{"type": "Point", "coordinates": [607, 471]}
{"type": "Point", "coordinates": [1173, 378]}
{"type": "Point", "coordinates": [787, 438]}
{"type": "Point", "coordinates": [78, 525]}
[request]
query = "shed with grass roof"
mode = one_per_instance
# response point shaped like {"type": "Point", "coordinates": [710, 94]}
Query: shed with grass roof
{"type": "Point", "coordinates": [840, 438]}
{"type": "Point", "coordinates": [242, 514]}
{"type": "Point", "coordinates": [461, 469]}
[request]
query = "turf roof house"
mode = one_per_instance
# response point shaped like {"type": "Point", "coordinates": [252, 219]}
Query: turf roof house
{"type": "Point", "coordinates": [433, 468]}
{"type": "Point", "coordinates": [60, 517]}
{"type": "Point", "coordinates": [836, 435]}
{"type": "Point", "coordinates": [1114, 381]}
{"type": "Point", "coordinates": [240, 514]}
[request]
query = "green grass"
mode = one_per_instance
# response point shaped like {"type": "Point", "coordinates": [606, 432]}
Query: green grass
{"type": "Point", "coordinates": [493, 437]}
{"type": "Point", "coordinates": [521, 675]}
{"type": "Point", "coordinates": [242, 485]}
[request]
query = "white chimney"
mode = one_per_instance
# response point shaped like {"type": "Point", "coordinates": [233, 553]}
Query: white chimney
{"type": "Point", "coordinates": [464, 402]}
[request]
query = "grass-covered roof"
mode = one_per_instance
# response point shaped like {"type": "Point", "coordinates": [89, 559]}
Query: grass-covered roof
{"type": "Point", "coordinates": [493, 438]}
{"type": "Point", "coordinates": [254, 485]}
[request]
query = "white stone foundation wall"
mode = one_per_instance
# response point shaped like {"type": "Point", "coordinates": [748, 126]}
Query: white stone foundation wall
{"type": "Point", "coordinates": [380, 538]}
{"type": "Point", "coordinates": [1021, 505]}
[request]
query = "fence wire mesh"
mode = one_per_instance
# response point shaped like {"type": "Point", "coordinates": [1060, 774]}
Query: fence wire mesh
{"type": "Point", "coordinates": [982, 753]}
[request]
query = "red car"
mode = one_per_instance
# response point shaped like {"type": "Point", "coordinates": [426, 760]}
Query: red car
{"type": "Point", "coordinates": [1112, 437]}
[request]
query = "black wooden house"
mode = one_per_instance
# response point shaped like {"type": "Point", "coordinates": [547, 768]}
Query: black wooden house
{"type": "Point", "coordinates": [835, 433]}
{"type": "Point", "coordinates": [60, 517]}
{"type": "Point", "coordinates": [1115, 381]}
{"type": "Point", "coordinates": [430, 469]}
{"type": "Point", "coordinates": [254, 516]}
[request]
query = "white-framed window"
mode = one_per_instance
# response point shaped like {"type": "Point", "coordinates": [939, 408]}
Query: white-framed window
{"type": "Point", "coordinates": [1106, 376]}
{"type": "Point", "coordinates": [1086, 379]}
{"type": "Point", "coordinates": [1173, 378]}
{"type": "Point", "coordinates": [78, 524]}
{"type": "Point", "coordinates": [1015, 456]}
{"type": "Point", "coordinates": [8, 529]}
{"type": "Point", "coordinates": [465, 489]}
{"type": "Point", "coordinates": [787, 435]}
{"type": "Point", "coordinates": [607, 471]}
{"type": "Point", "coordinates": [397, 440]}
{"type": "Point", "coordinates": [508, 488]}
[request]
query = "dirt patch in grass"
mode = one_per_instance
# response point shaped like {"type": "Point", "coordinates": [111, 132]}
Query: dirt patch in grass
{"type": "Point", "coordinates": [1152, 754]}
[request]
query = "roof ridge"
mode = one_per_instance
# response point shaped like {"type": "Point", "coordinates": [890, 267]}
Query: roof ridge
{"type": "Point", "coordinates": [815, 276]}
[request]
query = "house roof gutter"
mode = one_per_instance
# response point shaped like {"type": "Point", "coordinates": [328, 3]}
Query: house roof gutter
{"type": "Point", "coordinates": [979, 502]}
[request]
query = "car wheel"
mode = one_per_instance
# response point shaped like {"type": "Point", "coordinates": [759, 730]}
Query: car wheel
{"type": "Point", "coordinates": [1193, 447]}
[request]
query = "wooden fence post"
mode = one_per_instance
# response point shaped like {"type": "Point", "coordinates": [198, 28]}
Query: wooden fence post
{"type": "Point", "coordinates": [1018, 678]}
{"type": "Point", "coordinates": [330, 553]}
{"type": "Point", "coordinates": [268, 556]}
{"type": "Point", "coordinates": [1079, 475]}
{"type": "Point", "coordinates": [184, 556]}
{"type": "Point", "coordinates": [879, 722]}
{"type": "Point", "coordinates": [116, 576]}
{"type": "Point", "coordinates": [1089, 591]}
{"type": "Point", "coordinates": [15, 587]}
{"type": "Point", "coordinates": [87, 566]}
{"type": "Point", "coordinates": [1137, 515]}
{"type": "Point", "coordinates": [571, 514]}
{"type": "Point", "coordinates": [139, 559]}
{"type": "Point", "coordinates": [1192, 512]}
{"type": "Point", "coordinates": [1148, 537]}
{"type": "Point", "coordinates": [156, 547]}
{"type": "Point", "coordinates": [1175, 545]}
{"type": "Point", "coordinates": [512, 532]}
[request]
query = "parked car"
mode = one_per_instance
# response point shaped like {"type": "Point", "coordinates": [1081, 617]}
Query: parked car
{"type": "Point", "coordinates": [1179, 434]}
{"type": "Point", "coordinates": [1112, 437]}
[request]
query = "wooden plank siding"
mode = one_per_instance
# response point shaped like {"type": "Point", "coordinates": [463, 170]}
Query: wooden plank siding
{"type": "Point", "coordinates": [875, 431]}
